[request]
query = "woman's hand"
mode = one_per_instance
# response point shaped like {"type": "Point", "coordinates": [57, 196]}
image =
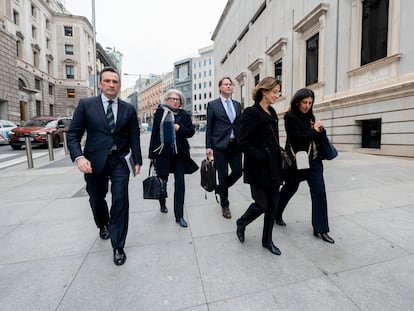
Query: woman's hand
{"type": "Point", "coordinates": [318, 126]}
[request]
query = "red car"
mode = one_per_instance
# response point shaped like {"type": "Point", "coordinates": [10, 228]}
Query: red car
{"type": "Point", "coordinates": [37, 129]}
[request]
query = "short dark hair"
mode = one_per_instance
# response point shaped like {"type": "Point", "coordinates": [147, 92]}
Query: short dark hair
{"type": "Point", "coordinates": [110, 69]}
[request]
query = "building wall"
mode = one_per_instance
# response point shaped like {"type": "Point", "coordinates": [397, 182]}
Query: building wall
{"type": "Point", "coordinates": [9, 93]}
{"type": "Point", "coordinates": [38, 30]}
{"type": "Point", "coordinates": [250, 37]}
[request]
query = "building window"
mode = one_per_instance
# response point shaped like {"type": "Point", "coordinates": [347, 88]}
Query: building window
{"type": "Point", "coordinates": [70, 93]}
{"type": "Point", "coordinates": [19, 48]}
{"type": "Point", "coordinates": [51, 110]}
{"type": "Point", "coordinates": [256, 79]}
{"type": "Point", "coordinates": [37, 84]}
{"type": "Point", "coordinates": [51, 89]}
{"type": "Point", "coordinates": [49, 66]}
{"type": "Point", "coordinates": [374, 30]}
{"type": "Point", "coordinates": [33, 10]}
{"type": "Point", "coordinates": [70, 72]}
{"type": "Point", "coordinates": [68, 49]}
{"type": "Point", "coordinates": [371, 133]}
{"type": "Point", "coordinates": [47, 43]}
{"type": "Point", "coordinates": [68, 31]}
{"type": "Point", "coordinates": [15, 17]}
{"type": "Point", "coordinates": [195, 97]}
{"type": "Point", "coordinates": [34, 32]}
{"type": "Point", "coordinates": [35, 59]}
{"type": "Point", "coordinates": [312, 31]}
{"type": "Point", "coordinates": [47, 24]}
{"type": "Point", "coordinates": [38, 108]}
{"type": "Point", "coordinates": [312, 47]}
{"type": "Point", "coordinates": [278, 71]}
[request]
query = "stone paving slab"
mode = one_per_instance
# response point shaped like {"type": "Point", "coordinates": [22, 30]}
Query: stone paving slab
{"type": "Point", "coordinates": [51, 257]}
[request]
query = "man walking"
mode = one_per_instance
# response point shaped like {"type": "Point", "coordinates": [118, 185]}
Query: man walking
{"type": "Point", "coordinates": [112, 130]}
{"type": "Point", "coordinates": [223, 125]}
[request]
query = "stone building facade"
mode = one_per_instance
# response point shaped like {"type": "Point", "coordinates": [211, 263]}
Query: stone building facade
{"type": "Point", "coordinates": [54, 66]}
{"type": "Point", "coordinates": [356, 55]}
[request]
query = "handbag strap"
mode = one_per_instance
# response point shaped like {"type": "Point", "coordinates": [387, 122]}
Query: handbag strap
{"type": "Point", "coordinates": [149, 169]}
{"type": "Point", "coordinates": [274, 135]}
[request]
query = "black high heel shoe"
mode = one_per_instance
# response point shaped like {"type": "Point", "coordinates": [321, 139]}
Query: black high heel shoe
{"type": "Point", "coordinates": [280, 222]}
{"type": "Point", "coordinates": [271, 247]}
{"type": "Point", "coordinates": [324, 236]}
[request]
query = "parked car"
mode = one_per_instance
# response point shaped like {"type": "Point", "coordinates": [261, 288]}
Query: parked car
{"type": "Point", "coordinates": [37, 129]}
{"type": "Point", "coordinates": [5, 127]}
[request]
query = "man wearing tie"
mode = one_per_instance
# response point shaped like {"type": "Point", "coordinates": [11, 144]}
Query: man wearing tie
{"type": "Point", "coordinates": [112, 130]}
{"type": "Point", "coordinates": [223, 125]}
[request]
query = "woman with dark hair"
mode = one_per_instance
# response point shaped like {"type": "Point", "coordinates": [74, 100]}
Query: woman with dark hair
{"type": "Point", "coordinates": [169, 149]}
{"type": "Point", "coordinates": [304, 133]}
{"type": "Point", "coordinates": [259, 141]}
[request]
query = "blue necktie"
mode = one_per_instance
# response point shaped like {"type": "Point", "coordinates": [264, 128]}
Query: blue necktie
{"type": "Point", "coordinates": [230, 110]}
{"type": "Point", "coordinates": [110, 116]}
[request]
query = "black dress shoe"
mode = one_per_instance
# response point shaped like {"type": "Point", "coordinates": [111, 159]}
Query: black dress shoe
{"type": "Point", "coordinates": [324, 237]}
{"type": "Point", "coordinates": [240, 231]}
{"type": "Point", "coordinates": [280, 222]}
{"type": "Point", "coordinates": [271, 247]}
{"type": "Point", "coordinates": [164, 209]}
{"type": "Point", "coordinates": [104, 232]}
{"type": "Point", "coordinates": [181, 222]}
{"type": "Point", "coordinates": [119, 256]}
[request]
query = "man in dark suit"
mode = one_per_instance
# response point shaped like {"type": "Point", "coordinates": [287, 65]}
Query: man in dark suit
{"type": "Point", "coordinates": [112, 130]}
{"type": "Point", "coordinates": [223, 126]}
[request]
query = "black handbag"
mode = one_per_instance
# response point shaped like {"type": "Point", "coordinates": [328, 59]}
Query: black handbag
{"type": "Point", "coordinates": [154, 187]}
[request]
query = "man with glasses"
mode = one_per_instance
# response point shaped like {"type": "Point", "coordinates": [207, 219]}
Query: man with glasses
{"type": "Point", "coordinates": [223, 126]}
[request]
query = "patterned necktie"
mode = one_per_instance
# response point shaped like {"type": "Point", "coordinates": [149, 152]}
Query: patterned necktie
{"type": "Point", "coordinates": [110, 116]}
{"type": "Point", "coordinates": [230, 110]}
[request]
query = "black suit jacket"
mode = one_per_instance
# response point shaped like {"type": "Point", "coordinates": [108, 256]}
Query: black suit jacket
{"type": "Point", "coordinates": [219, 126]}
{"type": "Point", "coordinates": [90, 116]}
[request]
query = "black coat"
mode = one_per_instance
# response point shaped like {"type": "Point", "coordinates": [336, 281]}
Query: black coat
{"type": "Point", "coordinates": [163, 163]}
{"type": "Point", "coordinates": [259, 142]}
{"type": "Point", "coordinates": [300, 133]}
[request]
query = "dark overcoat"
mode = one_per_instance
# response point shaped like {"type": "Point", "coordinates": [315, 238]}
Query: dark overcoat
{"type": "Point", "coordinates": [163, 162]}
{"type": "Point", "coordinates": [259, 142]}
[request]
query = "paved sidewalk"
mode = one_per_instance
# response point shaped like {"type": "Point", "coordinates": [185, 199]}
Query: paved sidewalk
{"type": "Point", "coordinates": [51, 257]}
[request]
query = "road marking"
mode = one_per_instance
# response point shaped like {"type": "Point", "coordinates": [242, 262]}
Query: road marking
{"type": "Point", "coordinates": [20, 160]}
{"type": "Point", "coordinates": [7, 155]}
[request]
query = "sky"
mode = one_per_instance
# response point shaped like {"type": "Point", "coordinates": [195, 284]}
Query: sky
{"type": "Point", "coordinates": [151, 34]}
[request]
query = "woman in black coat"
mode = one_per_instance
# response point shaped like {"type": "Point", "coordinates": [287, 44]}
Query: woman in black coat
{"type": "Point", "coordinates": [169, 149]}
{"type": "Point", "coordinates": [259, 142]}
{"type": "Point", "coordinates": [304, 133]}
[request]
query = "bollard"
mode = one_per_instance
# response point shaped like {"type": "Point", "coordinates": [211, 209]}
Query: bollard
{"type": "Point", "coordinates": [65, 142]}
{"type": "Point", "coordinates": [29, 153]}
{"type": "Point", "coordinates": [50, 146]}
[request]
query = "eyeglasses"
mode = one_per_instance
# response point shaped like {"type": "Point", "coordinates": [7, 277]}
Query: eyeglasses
{"type": "Point", "coordinates": [174, 99]}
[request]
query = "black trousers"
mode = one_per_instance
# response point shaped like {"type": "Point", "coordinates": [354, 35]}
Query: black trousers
{"type": "Point", "coordinates": [179, 186]}
{"type": "Point", "coordinates": [266, 200]}
{"type": "Point", "coordinates": [223, 159]}
{"type": "Point", "coordinates": [316, 183]}
{"type": "Point", "coordinates": [97, 186]}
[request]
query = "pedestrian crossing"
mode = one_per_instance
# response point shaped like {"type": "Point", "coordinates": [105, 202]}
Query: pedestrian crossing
{"type": "Point", "coordinates": [4, 162]}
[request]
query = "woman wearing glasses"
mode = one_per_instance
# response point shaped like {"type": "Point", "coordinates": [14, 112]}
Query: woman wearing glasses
{"type": "Point", "coordinates": [169, 150]}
